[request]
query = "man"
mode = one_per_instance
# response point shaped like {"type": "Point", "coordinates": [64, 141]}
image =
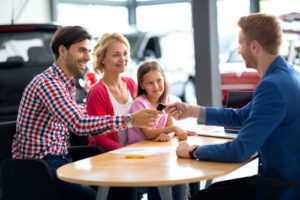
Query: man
{"type": "Point", "coordinates": [48, 110]}
{"type": "Point", "coordinates": [270, 122]}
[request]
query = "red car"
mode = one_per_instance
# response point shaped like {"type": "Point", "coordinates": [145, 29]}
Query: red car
{"type": "Point", "coordinates": [236, 77]}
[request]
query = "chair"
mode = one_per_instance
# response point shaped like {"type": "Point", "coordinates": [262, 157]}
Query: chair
{"type": "Point", "coordinates": [22, 178]}
{"type": "Point", "coordinates": [80, 149]}
{"type": "Point", "coordinates": [27, 179]}
{"type": "Point", "coordinates": [269, 188]}
{"type": "Point", "coordinates": [19, 176]}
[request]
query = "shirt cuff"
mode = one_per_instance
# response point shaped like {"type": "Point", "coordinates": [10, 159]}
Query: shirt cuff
{"type": "Point", "coordinates": [202, 115]}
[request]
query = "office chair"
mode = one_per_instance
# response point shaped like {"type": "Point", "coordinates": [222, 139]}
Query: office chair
{"type": "Point", "coordinates": [80, 149]}
{"type": "Point", "coordinates": [27, 179]}
{"type": "Point", "coordinates": [246, 188]}
{"type": "Point", "coordinates": [7, 130]}
{"type": "Point", "coordinates": [19, 169]}
{"type": "Point", "coordinates": [22, 178]}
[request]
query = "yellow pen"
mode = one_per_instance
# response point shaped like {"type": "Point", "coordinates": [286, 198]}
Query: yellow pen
{"type": "Point", "coordinates": [135, 156]}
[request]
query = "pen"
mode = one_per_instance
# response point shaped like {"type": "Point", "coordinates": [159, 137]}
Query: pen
{"type": "Point", "coordinates": [135, 156]}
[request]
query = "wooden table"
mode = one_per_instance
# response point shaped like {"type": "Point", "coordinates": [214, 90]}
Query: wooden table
{"type": "Point", "coordinates": [157, 170]}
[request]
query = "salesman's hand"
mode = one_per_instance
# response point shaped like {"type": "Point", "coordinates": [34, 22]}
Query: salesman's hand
{"type": "Point", "coordinates": [145, 118]}
{"type": "Point", "coordinates": [183, 150]}
{"type": "Point", "coordinates": [180, 110]}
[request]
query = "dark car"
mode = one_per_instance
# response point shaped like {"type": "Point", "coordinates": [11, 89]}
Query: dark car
{"type": "Point", "coordinates": [24, 52]}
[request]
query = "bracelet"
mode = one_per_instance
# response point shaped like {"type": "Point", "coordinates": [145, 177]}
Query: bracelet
{"type": "Point", "coordinates": [191, 153]}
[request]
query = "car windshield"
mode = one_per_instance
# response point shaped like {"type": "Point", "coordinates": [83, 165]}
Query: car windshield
{"type": "Point", "coordinates": [25, 47]}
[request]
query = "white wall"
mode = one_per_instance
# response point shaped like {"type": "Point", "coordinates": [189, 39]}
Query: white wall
{"type": "Point", "coordinates": [26, 11]}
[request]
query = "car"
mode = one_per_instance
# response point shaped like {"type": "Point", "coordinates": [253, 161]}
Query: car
{"type": "Point", "coordinates": [291, 38]}
{"type": "Point", "coordinates": [25, 52]}
{"type": "Point", "coordinates": [234, 74]}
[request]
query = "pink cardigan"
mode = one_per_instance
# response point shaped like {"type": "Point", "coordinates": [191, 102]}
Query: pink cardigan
{"type": "Point", "coordinates": [99, 104]}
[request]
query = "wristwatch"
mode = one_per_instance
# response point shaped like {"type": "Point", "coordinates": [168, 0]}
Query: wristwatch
{"type": "Point", "coordinates": [128, 120]}
{"type": "Point", "coordinates": [191, 153]}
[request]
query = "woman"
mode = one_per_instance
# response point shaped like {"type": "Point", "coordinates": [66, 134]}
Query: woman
{"type": "Point", "coordinates": [112, 95]}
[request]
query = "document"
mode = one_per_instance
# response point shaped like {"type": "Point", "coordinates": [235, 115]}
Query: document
{"type": "Point", "coordinates": [143, 150]}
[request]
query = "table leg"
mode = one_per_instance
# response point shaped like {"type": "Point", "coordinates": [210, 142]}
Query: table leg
{"type": "Point", "coordinates": [208, 183]}
{"type": "Point", "coordinates": [102, 193]}
{"type": "Point", "coordinates": [165, 192]}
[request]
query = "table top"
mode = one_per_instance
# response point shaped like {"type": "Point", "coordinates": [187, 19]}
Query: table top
{"type": "Point", "coordinates": [111, 169]}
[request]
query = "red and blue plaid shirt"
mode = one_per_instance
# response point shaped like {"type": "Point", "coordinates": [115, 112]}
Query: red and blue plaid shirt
{"type": "Point", "coordinates": [48, 112]}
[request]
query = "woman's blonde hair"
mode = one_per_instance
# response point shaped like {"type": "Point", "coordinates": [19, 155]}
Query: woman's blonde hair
{"type": "Point", "coordinates": [149, 66]}
{"type": "Point", "coordinates": [101, 47]}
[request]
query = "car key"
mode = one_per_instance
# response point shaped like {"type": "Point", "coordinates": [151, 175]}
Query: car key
{"type": "Point", "coordinates": [160, 107]}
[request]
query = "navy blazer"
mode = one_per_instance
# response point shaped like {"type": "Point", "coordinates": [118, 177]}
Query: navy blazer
{"type": "Point", "coordinates": [270, 125]}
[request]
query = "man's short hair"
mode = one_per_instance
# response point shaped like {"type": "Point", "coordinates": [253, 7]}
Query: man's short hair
{"type": "Point", "coordinates": [265, 29]}
{"type": "Point", "coordinates": [67, 36]}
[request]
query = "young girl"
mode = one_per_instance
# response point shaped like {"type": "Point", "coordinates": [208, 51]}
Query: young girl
{"type": "Point", "coordinates": [152, 90]}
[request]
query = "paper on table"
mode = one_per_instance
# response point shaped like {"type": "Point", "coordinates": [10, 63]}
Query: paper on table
{"type": "Point", "coordinates": [143, 150]}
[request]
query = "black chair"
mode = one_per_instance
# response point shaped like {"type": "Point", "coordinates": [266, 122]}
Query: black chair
{"type": "Point", "coordinates": [15, 171]}
{"type": "Point", "coordinates": [22, 178]}
{"type": "Point", "coordinates": [27, 179]}
{"type": "Point", "coordinates": [80, 149]}
{"type": "Point", "coordinates": [245, 188]}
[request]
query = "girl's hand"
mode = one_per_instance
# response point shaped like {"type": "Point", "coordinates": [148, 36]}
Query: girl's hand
{"type": "Point", "coordinates": [181, 134]}
{"type": "Point", "coordinates": [162, 138]}
{"type": "Point", "coordinates": [190, 133]}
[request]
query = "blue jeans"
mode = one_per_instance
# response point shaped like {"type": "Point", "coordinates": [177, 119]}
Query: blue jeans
{"type": "Point", "coordinates": [68, 191]}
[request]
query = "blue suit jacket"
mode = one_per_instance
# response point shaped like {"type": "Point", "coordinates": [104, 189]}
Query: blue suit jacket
{"type": "Point", "coordinates": [270, 125]}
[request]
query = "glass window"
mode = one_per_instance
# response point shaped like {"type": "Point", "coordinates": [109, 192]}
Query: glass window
{"type": "Point", "coordinates": [279, 7]}
{"type": "Point", "coordinates": [96, 18]}
{"type": "Point", "coordinates": [151, 18]}
{"type": "Point", "coordinates": [25, 46]}
{"type": "Point", "coordinates": [229, 13]}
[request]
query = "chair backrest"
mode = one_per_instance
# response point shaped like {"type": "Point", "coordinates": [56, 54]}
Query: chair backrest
{"type": "Point", "coordinates": [7, 130]}
{"type": "Point", "coordinates": [27, 179]}
{"type": "Point", "coordinates": [78, 140]}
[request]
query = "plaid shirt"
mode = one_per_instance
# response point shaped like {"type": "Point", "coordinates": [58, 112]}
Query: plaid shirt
{"type": "Point", "coordinates": [47, 113]}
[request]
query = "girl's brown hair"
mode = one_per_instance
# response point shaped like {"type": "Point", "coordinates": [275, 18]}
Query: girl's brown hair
{"type": "Point", "coordinates": [149, 66]}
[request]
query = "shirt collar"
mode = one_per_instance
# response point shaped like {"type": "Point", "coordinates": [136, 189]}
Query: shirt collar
{"type": "Point", "coordinates": [279, 62]}
{"type": "Point", "coordinates": [62, 75]}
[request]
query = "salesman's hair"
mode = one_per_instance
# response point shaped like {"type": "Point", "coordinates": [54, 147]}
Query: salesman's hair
{"type": "Point", "coordinates": [263, 28]}
{"type": "Point", "coordinates": [66, 36]}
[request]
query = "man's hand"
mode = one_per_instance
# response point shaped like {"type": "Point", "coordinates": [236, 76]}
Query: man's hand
{"type": "Point", "coordinates": [180, 110]}
{"type": "Point", "coordinates": [145, 118]}
{"type": "Point", "coordinates": [183, 150]}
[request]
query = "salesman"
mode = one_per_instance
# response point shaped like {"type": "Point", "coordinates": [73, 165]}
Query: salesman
{"type": "Point", "coordinates": [270, 123]}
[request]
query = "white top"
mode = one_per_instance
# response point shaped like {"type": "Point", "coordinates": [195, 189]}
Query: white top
{"type": "Point", "coordinates": [121, 109]}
